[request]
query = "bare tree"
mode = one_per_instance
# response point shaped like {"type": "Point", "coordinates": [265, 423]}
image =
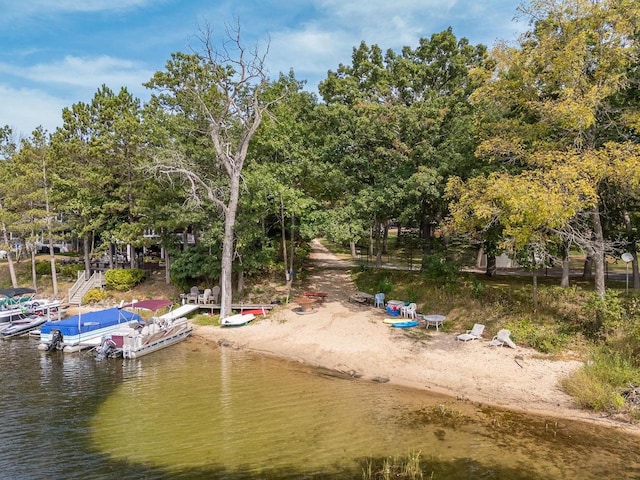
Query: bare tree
{"type": "Point", "coordinates": [218, 94]}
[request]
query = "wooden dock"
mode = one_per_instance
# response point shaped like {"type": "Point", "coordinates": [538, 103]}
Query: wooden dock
{"type": "Point", "coordinates": [241, 307]}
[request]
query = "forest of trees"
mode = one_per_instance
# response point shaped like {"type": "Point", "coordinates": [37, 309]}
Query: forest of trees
{"type": "Point", "coordinates": [531, 148]}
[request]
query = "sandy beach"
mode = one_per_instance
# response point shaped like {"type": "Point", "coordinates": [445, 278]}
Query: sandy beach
{"type": "Point", "coordinates": [352, 338]}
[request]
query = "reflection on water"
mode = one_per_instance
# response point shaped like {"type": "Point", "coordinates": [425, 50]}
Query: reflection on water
{"type": "Point", "coordinates": [224, 408]}
{"type": "Point", "coordinates": [195, 411]}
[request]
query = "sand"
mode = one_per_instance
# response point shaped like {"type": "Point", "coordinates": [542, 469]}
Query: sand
{"type": "Point", "coordinates": [352, 338]}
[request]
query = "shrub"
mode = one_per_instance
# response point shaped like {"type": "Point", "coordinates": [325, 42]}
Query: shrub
{"type": "Point", "coordinates": [71, 271]}
{"type": "Point", "coordinates": [477, 289]}
{"type": "Point", "coordinates": [438, 267]}
{"type": "Point", "coordinates": [43, 268]}
{"type": "Point", "coordinates": [94, 295]}
{"type": "Point", "coordinates": [604, 317]}
{"type": "Point", "coordinates": [543, 338]}
{"type": "Point", "coordinates": [195, 265]}
{"type": "Point", "coordinates": [385, 286]}
{"type": "Point", "coordinates": [123, 279]}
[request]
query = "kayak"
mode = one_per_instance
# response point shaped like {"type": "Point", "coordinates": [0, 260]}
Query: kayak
{"type": "Point", "coordinates": [391, 321]}
{"type": "Point", "coordinates": [405, 324]}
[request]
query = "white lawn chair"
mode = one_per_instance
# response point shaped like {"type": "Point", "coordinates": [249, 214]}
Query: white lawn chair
{"type": "Point", "coordinates": [502, 338]}
{"type": "Point", "coordinates": [474, 334]}
{"type": "Point", "coordinates": [204, 298]}
{"type": "Point", "coordinates": [409, 311]}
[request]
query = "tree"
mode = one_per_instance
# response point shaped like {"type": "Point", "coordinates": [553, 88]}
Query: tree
{"type": "Point", "coordinates": [406, 127]}
{"type": "Point", "coordinates": [525, 212]}
{"type": "Point", "coordinates": [7, 151]}
{"type": "Point", "coordinates": [98, 151]}
{"type": "Point", "coordinates": [216, 96]}
{"type": "Point", "coordinates": [31, 199]}
{"type": "Point", "coordinates": [552, 104]}
{"type": "Point", "coordinates": [286, 179]}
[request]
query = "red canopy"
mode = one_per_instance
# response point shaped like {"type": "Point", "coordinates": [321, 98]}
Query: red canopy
{"type": "Point", "coordinates": [149, 304]}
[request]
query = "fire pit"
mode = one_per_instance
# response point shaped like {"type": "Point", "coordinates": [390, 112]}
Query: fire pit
{"type": "Point", "coordinates": [306, 304]}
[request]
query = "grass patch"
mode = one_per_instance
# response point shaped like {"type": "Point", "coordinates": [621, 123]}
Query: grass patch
{"type": "Point", "coordinates": [600, 383]}
{"type": "Point", "coordinates": [206, 319]}
{"type": "Point", "coordinates": [408, 467]}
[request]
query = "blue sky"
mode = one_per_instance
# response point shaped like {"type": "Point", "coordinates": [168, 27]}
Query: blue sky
{"type": "Point", "coordinates": [54, 53]}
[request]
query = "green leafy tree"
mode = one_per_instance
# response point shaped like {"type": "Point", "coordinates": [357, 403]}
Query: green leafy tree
{"type": "Point", "coordinates": [7, 151]}
{"type": "Point", "coordinates": [31, 199]}
{"type": "Point", "coordinates": [99, 152]}
{"type": "Point", "coordinates": [552, 104]}
{"type": "Point", "coordinates": [404, 125]}
{"type": "Point", "coordinates": [215, 97]}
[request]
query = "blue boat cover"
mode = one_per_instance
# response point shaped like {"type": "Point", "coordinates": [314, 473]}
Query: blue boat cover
{"type": "Point", "coordinates": [90, 321]}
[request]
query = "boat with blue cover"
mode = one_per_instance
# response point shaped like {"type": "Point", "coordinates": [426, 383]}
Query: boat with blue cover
{"type": "Point", "coordinates": [84, 330]}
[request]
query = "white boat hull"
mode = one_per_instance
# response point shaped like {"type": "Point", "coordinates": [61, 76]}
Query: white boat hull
{"type": "Point", "coordinates": [135, 343]}
{"type": "Point", "coordinates": [237, 320]}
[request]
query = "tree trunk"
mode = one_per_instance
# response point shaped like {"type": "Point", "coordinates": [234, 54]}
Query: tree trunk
{"type": "Point", "coordinates": [292, 244]}
{"type": "Point", "coordinates": [167, 267]}
{"type": "Point", "coordinates": [535, 290]}
{"type": "Point", "coordinates": [564, 280]}
{"type": "Point", "coordinates": [587, 272]}
{"type": "Point", "coordinates": [352, 247]}
{"type": "Point", "coordinates": [54, 275]}
{"type": "Point", "coordinates": [598, 253]}
{"type": "Point", "coordinates": [240, 281]}
{"type": "Point", "coordinates": [34, 274]}
{"type": "Point", "coordinates": [378, 247]}
{"type": "Point", "coordinates": [133, 256]}
{"type": "Point", "coordinates": [87, 258]}
{"type": "Point", "coordinates": [385, 238]}
{"type": "Point", "coordinates": [52, 259]}
{"type": "Point", "coordinates": [491, 265]}
{"type": "Point", "coordinates": [283, 233]}
{"type": "Point", "coordinates": [12, 270]}
{"type": "Point", "coordinates": [632, 250]}
{"type": "Point", "coordinates": [226, 292]}
{"type": "Point", "coordinates": [371, 252]}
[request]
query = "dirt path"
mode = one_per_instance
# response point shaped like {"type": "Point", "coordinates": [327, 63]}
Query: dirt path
{"type": "Point", "coordinates": [352, 338]}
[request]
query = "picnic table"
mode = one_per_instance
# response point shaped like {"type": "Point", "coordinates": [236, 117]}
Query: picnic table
{"type": "Point", "coordinates": [361, 297]}
{"type": "Point", "coordinates": [316, 295]}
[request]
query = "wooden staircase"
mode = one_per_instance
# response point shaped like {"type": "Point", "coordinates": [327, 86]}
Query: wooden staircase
{"type": "Point", "coordinates": [83, 285]}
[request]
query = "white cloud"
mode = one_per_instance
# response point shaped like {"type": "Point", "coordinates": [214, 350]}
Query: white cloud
{"type": "Point", "coordinates": [26, 109]}
{"type": "Point", "coordinates": [327, 38]}
{"type": "Point", "coordinates": [21, 8]}
{"type": "Point", "coordinates": [314, 51]}
{"type": "Point", "coordinates": [82, 72]}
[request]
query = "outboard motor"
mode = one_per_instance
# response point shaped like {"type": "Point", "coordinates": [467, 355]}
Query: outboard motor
{"type": "Point", "coordinates": [56, 342]}
{"type": "Point", "coordinates": [107, 349]}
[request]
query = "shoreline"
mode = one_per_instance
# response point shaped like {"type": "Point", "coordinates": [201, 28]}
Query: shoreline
{"type": "Point", "coordinates": [353, 340]}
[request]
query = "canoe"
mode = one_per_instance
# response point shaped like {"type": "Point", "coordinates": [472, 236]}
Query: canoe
{"type": "Point", "coordinates": [256, 311]}
{"type": "Point", "coordinates": [237, 320]}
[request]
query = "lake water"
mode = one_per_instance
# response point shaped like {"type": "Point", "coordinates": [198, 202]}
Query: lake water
{"type": "Point", "coordinates": [195, 411]}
